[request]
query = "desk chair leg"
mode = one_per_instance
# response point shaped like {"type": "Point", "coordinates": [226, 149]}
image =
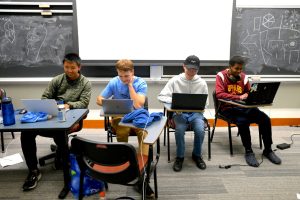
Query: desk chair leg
{"type": "Point", "coordinates": [209, 144]}
{"type": "Point", "coordinates": [165, 128]}
{"type": "Point", "coordinates": [2, 142]}
{"type": "Point", "coordinates": [165, 132]}
{"type": "Point", "coordinates": [108, 137]}
{"type": "Point", "coordinates": [13, 135]}
{"type": "Point", "coordinates": [213, 131]}
{"type": "Point", "coordinates": [155, 183]}
{"type": "Point", "coordinates": [230, 139]}
{"type": "Point", "coordinates": [168, 144]}
{"type": "Point", "coordinates": [260, 141]}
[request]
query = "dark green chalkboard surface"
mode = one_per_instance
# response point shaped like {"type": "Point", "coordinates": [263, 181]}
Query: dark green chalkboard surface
{"type": "Point", "coordinates": [269, 37]}
{"type": "Point", "coordinates": [34, 46]}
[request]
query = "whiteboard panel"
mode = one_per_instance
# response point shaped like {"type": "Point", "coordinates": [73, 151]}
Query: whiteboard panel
{"type": "Point", "coordinates": [154, 29]}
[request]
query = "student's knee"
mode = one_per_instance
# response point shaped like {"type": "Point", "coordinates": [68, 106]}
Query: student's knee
{"type": "Point", "coordinates": [122, 134]}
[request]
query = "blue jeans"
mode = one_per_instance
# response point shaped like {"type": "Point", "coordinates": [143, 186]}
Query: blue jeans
{"type": "Point", "coordinates": [182, 123]}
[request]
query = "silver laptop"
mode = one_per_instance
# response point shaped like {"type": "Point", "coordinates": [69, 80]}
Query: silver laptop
{"type": "Point", "coordinates": [117, 106]}
{"type": "Point", "coordinates": [41, 105]}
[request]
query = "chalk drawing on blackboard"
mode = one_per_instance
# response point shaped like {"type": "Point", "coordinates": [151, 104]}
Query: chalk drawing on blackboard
{"type": "Point", "coordinates": [35, 40]}
{"type": "Point", "coordinates": [9, 31]}
{"type": "Point", "coordinates": [270, 38]}
{"type": "Point", "coordinates": [257, 22]}
{"type": "Point", "coordinates": [239, 12]}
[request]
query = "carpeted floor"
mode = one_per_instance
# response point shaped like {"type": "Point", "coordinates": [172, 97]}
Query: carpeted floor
{"type": "Point", "coordinates": [267, 182]}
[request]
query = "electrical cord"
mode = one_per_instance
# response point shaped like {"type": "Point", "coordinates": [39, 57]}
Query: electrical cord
{"type": "Point", "coordinates": [296, 134]}
{"type": "Point", "coordinates": [232, 165]}
{"type": "Point", "coordinates": [242, 165]}
{"type": "Point", "coordinates": [142, 157]}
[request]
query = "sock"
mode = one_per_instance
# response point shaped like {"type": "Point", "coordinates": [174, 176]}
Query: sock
{"type": "Point", "coordinates": [248, 150]}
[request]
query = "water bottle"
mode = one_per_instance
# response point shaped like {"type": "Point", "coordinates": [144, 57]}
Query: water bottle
{"type": "Point", "coordinates": [8, 112]}
{"type": "Point", "coordinates": [61, 116]}
{"type": "Point", "coordinates": [61, 113]}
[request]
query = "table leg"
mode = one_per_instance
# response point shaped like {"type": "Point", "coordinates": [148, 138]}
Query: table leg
{"type": "Point", "coordinates": [65, 156]}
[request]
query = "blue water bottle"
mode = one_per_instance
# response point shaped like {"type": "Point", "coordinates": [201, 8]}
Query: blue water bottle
{"type": "Point", "coordinates": [8, 112]}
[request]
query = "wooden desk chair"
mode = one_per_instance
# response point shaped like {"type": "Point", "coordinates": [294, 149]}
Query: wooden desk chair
{"type": "Point", "coordinates": [170, 127]}
{"type": "Point", "coordinates": [111, 132]}
{"type": "Point", "coordinates": [42, 161]}
{"type": "Point", "coordinates": [230, 123]}
{"type": "Point", "coordinates": [116, 163]}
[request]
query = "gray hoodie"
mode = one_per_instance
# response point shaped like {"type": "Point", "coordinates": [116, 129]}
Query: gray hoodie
{"type": "Point", "coordinates": [179, 84]}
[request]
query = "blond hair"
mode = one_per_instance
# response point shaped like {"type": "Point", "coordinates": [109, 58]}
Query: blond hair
{"type": "Point", "coordinates": [124, 65]}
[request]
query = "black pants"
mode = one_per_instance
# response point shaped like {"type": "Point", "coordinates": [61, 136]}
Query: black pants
{"type": "Point", "coordinates": [29, 149]}
{"type": "Point", "coordinates": [243, 117]}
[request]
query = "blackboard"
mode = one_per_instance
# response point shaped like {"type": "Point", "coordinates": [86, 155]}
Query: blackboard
{"type": "Point", "coordinates": [269, 38]}
{"type": "Point", "coordinates": [35, 36]}
{"type": "Point", "coordinates": [34, 45]}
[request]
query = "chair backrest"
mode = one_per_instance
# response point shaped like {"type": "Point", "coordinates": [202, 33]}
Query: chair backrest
{"type": "Point", "coordinates": [217, 109]}
{"type": "Point", "coordinates": [78, 126]}
{"type": "Point", "coordinates": [110, 162]}
{"type": "Point", "coordinates": [146, 106]}
{"type": "Point", "coordinates": [216, 103]}
{"type": "Point", "coordinates": [2, 93]}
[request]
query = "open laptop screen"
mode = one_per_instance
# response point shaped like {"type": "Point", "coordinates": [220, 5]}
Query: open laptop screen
{"type": "Point", "coordinates": [261, 93]}
{"type": "Point", "coordinates": [185, 101]}
{"type": "Point", "coordinates": [48, 106]}
{"type": "Point", "coordinates": [117, 106]}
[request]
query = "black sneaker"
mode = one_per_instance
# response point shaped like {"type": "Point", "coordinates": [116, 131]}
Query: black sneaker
{"type": "Point", "coordinates": [272, 157]}
{"type": "Point", "coordinates": [32, 180]}
{"type": "Point", "coordinates": [178, 164]}
{"type": "Point", "coordinates": [251, 160]}
{"type": "Point", "coordinates": [199, 161]}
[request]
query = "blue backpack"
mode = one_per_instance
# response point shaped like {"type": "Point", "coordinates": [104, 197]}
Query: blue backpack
{"type": "Point", "coordinates": [90, 185]}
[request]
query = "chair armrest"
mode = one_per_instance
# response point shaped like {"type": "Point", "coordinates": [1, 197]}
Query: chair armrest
{"type": "Point", "coordinates": [154, 131]}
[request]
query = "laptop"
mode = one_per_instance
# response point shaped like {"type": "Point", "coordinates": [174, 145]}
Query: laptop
{"type": "Point", "coordinates": [41, 105]}
{"type": "Point", "coordinates": [185, 101]}
{"type": "Point", "coordinates": [117, 106]}
{"type": "Point", "coordinates": [261, 93]}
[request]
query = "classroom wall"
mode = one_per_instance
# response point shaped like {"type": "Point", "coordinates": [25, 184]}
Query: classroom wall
{"type": "Point", "coordinates": [287, 96]}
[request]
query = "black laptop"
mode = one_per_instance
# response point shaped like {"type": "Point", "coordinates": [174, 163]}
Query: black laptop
{"type": "Point", "coordinates": [185, 101]}
{"type": "Point", "coordinates": [261, 93]}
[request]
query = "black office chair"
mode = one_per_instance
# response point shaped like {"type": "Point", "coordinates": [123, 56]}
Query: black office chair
{"type": "Point", "coordinates": [2, 95]}
{"type": "Point", "coordinates": [116, 163]}
{"type": "Point", "coordinates": [230, 123]}
{"type": "Point", "coordinates": [170, 127]}
{"type": "Point", "coordinates": [111, 132]}
{"type": "Point", "coordinates": [53, 147]}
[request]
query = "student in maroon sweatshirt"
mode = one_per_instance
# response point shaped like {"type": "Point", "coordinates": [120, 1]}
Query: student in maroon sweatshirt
{"type": "Point", "coordinates": [233, 84]}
